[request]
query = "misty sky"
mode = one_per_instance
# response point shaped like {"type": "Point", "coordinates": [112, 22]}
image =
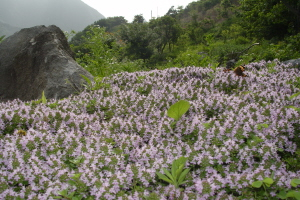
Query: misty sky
{"type": "Point", "coordinates": [130, 8]}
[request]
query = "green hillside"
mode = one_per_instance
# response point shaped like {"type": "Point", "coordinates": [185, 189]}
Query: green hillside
{"type": "Point", "coordinates": [204, 32]}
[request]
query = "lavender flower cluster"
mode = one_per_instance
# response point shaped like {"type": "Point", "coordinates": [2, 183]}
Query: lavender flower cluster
{"type": "Point", "coordinates": [124, 136]}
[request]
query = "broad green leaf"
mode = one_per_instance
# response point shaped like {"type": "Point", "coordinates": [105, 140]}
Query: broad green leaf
{"type": "Point", "coordinates": [173, 169]}
{"type": "Point", "coordinates": [178, 166]}
{"type": "Point", "coordinates": [163, 177]}
{"type": "Point", "coordinates": [257, 184]}
{"type": "Point", "coordinates": [182, 176]}
{"type": "Point", "coordinates": [179, 171]}
{"type": "Point", "coordinates": [297, 195]}
{"type": "Point", "coordinates": [290, 193]}
{"type": "Point", "coordinates": [282, 195]}
{"type": "Point", "coordinates": [71, 194]}
{"type": "Point", "coordinates": [178, 109]}
{"type": "Point", "coordinates": [169, 175]}
{"type": "Point", "coordinates": [268, 181]}
{"type": "Point", "coordinates": [295, 182]}
{"type": "Point", "coordinates": [182, 160]}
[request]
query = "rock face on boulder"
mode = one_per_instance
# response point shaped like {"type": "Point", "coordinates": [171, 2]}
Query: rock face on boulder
{"type": "Point", "coordinates": [38, 59]}
{"type": "Point", "coordinates": [294, 63]}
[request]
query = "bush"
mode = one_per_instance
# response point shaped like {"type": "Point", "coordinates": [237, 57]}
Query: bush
{"type": "Point", "coordinates": [98, 53]}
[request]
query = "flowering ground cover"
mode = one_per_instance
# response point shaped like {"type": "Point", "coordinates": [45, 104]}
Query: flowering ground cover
{"type": "Point", "coordinates": [240, 137]}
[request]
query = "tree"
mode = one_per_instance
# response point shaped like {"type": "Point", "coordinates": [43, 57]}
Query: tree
{"type": "Point", "coordinates": [138, 38]}
{"type": "Point", "coordinates": [167, 31]}
{"type": "Point", "coordinates": [173, 12]}
{"type": "Point", "coordinates": [98, 51]}
{"type": "Point", "coordinates": [111, 23]}
{"type": "Point", "coordinates": [271, 18]}
{"type": "Point", "coordinates": [226, 6]}
{"type": "Point", "coordinates": [138, 19]}
{"type": "Point", "coordinates": [195, 31]}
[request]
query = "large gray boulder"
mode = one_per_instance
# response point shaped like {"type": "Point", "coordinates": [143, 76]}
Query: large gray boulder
{"type": "Point", "coordinates": [38, 59]}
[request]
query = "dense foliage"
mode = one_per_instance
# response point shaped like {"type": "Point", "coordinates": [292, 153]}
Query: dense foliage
{"type": "Point", "coordinates": [231, 137]}
{"type": "Point", "coordinates": [207, 31]}
{"type": "Point", "coordinates": [269, 19]}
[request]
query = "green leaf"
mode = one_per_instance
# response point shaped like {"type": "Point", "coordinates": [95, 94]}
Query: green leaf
{"type": "Point", "coordinates": [182, 176]}
{"type": "Point", "coordinates": [290, 193]}
{"type": "Point", "coordinates": [257, 139]}
{"type": "Point", "coordinates": [79, 197]}
{"type": "Point", "coordinates": [181, 160]}
{"type": "Point", "coordinates": [44, 100]}
{"type": "Point", "coordinates": [169, 175]}
{"type": "Point", "coordinates": [71, 194]}
{"type": "Point", "coordinates": [294, 95]}
{"type": "Point", "coordinates": [260, 126]}
{"type": "Point", "coordinates": [178, 109]}
{"type": "Point", "coordinates": [293, 107]}
{"type": "Point", "coordinates": [295, 182]}
{"type": "Point", "coordinates": [63, 193]}
{"type": "Point", "coordinates": [178, 171]}
{"type": "Point", "coordinates": [282, 194]}
{"type": "Point", "coordinates": [72, 182]}
{"type": "Point", "coordinates": [76, 176]}
{"type": "Point", "coordinates": [163, 177]}
{"type": "Point", "coordinates": [178, 166]}
{"type": "Point", "coordinates": [207, 125]}
{"type": "Point", "coordinates": [268, 181]}
{"type": "Point", "coordinates": [280, 150]}
{"type": "Point", "coordinates": [175, 166]}
{"type": "Point", "coordinates": [57, 197]}
{"type": "Point", "coordinates": [257, 184]}
{"type": "Point", "coordinates": [89, 82]}
{"type": "Point", "coordinates": [297, 195]}
{"type": "Point", "coordinates": [77, 160]}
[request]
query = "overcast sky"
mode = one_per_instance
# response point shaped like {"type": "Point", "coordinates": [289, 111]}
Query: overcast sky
{"type": "Point", "coordinates": [130, 8]}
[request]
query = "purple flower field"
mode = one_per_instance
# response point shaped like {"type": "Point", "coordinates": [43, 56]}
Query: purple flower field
{"type": "Point", "coordinates": [237, 130]}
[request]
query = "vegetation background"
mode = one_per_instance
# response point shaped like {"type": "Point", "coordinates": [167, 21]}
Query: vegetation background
{"type": "Point", "coordinates": [206, 32]}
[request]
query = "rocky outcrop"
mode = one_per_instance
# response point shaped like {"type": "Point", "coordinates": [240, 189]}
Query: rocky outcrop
{"type": "Point", "coordinates": [38, 59]}
{"type": "Point", "coordinates": [293, 63]}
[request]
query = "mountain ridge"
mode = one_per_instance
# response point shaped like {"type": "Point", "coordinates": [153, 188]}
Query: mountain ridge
{"type": "Point", "coordinates": [6, 29]}
{"type": "Point", "coordinates": [68, 14]}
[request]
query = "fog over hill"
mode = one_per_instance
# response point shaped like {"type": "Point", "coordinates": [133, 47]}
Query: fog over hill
{"type": "Point", "coordinates": [6, 29]}
{"type": "Point", "coordinates": [66, 14]}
